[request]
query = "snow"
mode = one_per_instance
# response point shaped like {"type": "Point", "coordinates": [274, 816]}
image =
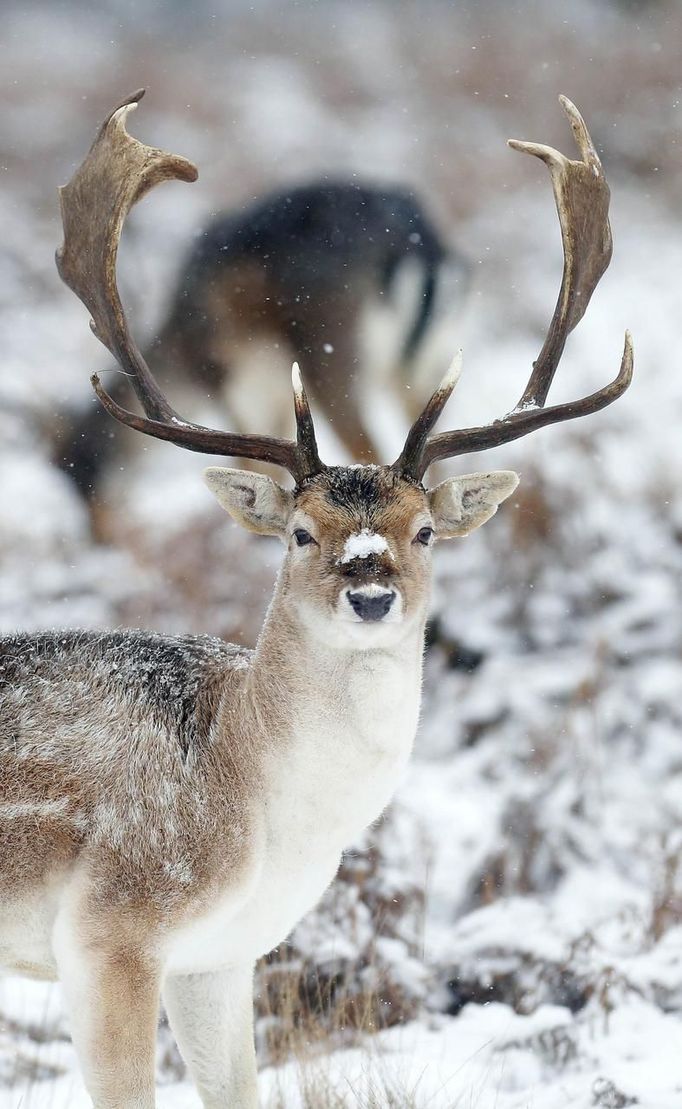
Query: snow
{"type": "Point", "coordinates": [521, 903]}
{"type": "Point", "coordinates": [363, 544]}
{"type": "Point", "coordinates": [489, 1057]}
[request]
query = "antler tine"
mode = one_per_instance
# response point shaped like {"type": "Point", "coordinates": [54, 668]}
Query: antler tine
{"type": "Point", "coordinates": [117, 172]}
{"type": "Point", "coordinates": [414, 444]}
{"type": "Point", "coordinates": [521, 422]}
{"type": "Point", "coordinates": [581, 195]}
{"type": "Point", "coordinates": [306, 442]}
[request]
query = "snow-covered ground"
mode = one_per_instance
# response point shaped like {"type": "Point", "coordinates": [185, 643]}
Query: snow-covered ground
{"type": "Point", "coordinates": [520, 906]}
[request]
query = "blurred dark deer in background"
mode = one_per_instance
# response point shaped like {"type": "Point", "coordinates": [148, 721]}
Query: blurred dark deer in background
{"type": "Point", "coordinates": [350, 279]}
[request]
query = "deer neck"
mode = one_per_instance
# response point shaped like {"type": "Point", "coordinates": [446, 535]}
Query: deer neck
{"type": "Point", "coordinates": [369, 698]}
{"type": "Point", "coordinates": [335, 727]}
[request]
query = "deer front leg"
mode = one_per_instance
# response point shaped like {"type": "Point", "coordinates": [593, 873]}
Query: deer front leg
{"type": "Point", "coordinates": [112, 991]}
{"type": "Point", "coordinates": [211, 1016]}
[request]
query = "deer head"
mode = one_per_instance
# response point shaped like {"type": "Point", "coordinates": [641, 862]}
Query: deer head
{"type": "Point", "coordinates": [359, 539]}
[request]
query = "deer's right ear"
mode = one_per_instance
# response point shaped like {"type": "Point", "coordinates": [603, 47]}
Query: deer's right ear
{"type": "Point", "coordinates": [254, 500]}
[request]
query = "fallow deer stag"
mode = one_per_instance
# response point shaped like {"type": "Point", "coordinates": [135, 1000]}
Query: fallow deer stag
{"type": "Point", "coordinates": [171, 806]}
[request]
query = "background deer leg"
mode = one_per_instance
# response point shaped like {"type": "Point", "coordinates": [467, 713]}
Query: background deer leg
{"type": "Point", "coordinates": [211, 1016]}
{"type": "Point", "coordinates": [112, 999]}
{"type": "Point", "coordinates": [333, 371]}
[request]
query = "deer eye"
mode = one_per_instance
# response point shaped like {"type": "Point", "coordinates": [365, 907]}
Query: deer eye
{"type": "Point", "coordinates": [423, 536]}
{"type": "Point", "coordinates": [303, 537]}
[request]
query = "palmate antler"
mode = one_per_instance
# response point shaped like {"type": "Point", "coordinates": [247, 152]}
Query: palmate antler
{"type": "Point", "coordinates": [119, 170]}
{"type": "Point", "coordinates": [116, 173]}
{"type": "Point", "coordinates": [582, 199]}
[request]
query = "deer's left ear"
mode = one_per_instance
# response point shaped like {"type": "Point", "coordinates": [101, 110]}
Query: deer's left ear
{"type": "Point", "coordinates": [461, 504]}
{"type": "Point", "coordinates": [254, 500]}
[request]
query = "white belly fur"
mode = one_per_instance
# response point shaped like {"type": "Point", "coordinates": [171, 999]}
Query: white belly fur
{"type": "Point", "coordinates": [334, 778]}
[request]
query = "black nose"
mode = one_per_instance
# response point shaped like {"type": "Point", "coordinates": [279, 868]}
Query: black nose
{"type": "Point", "coordinates": [371, 606]}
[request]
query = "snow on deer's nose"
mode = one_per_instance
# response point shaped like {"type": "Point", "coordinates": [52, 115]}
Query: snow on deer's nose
{"type": "Point", "coordinates": [362, 544]}
{"type": "Point", "coordinates": [367, 554]}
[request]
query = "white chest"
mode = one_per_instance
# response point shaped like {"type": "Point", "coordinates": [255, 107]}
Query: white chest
{"type": "Point", "coordinates": [349, 750]}
{"type": "Point", "coordinates": [332, 777]}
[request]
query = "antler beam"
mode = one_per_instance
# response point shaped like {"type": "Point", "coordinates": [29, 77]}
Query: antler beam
{"type": "Point", "coordinates": [581, 194]}
{"type": "Point", "coordinates": [117, 172]}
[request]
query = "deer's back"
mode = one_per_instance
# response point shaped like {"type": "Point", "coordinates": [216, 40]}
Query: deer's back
{"type": "Point", "coordinates": [315, 234]}
{"type": "Point", "coordinates": [103, 744]}
{"type": "Point", "coordinates": [294, 262]}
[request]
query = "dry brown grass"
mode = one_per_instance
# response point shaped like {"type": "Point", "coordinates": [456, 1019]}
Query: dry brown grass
{"type": "Point", "coordinates": [319, 1088]}
{"type": "Point", "coordinates": [304, 1006]}
{"type": "Point", "coordinates": [666, 910]}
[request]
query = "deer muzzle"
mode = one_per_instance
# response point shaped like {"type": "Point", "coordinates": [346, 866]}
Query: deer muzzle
{"type": "Point", "coordinates": [371, 603]}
